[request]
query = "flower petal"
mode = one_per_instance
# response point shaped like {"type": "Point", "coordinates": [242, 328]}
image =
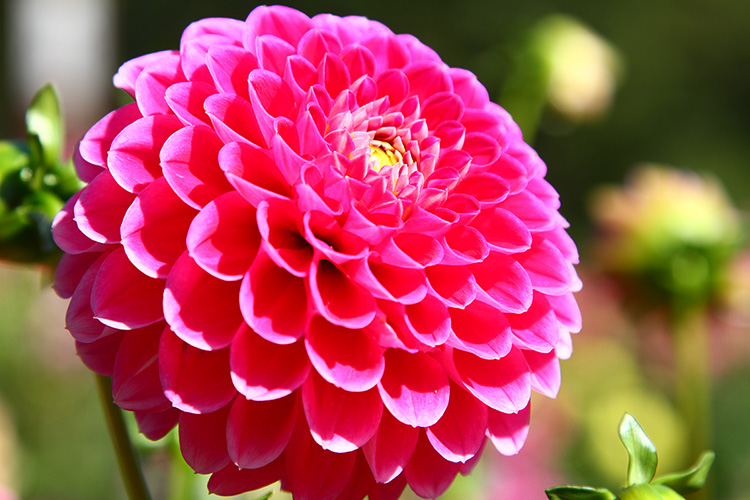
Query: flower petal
{"type": "Point", "coordinates": [508, 431]}
{"type": "Point", "coordinates": [135, 378]}
{"type": "Point", "coordinates": [459, 434]}
{"type": "Point", "coordinates": [337, 298]}
{"type": "Point", "coordinates": [203, 440]}
{"type": "Point", "coordinates": [231, 480]}
{"type": "Point", "coordinates": [100, 209]}
{"type": "Point", "coordinates": [481, 330]}
{"type": "Point", "coordinates": [428, 473]}
{"type": "Point", "coordinates": [390, 448]}
{"type": "Point", "coordinates": [502, 384]}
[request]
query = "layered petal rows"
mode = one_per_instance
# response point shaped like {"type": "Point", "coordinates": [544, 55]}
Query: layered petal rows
{"type": "Point", "coordinates": [323, 253]}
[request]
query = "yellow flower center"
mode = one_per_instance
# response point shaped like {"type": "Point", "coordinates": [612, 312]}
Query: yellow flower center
{"type": "Point", "coordinates": [382, 154]}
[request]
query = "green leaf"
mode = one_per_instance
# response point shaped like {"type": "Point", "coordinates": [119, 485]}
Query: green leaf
{"type": "Point", "coordinates": [12, 157]}
{"type": "Point", "coordinates": [579, 493]}
{"type": "Point", "coordinates": [642, 458]}
{"type": "Point", "coordinates": [649, 492]}
{"type": "Point", "coordinates": [692, 479]}
{"type": "Point", "coordinates": [44, 121]}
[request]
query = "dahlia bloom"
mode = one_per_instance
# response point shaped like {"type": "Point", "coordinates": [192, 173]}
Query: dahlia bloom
{"type": "Point", "coordinates": [323, 253]}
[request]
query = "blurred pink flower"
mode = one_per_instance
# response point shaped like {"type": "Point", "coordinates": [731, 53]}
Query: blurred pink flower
{"type": "Point", "coordinates": [323, 253]}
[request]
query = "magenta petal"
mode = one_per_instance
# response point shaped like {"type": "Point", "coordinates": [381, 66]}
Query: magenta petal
{"type": "Point", "coordinates": [189, 289]}
{"type": "Point", "coordinates": [548, 270]}
{"type": "Point", "coordinates": [412, 250]}
{"type": "Point", "coordinates": [389, 491]}
{"type": "Point", "coordinates": [190, 161]}
{"type": "Point", "coordinates": [133, 159]}
{"type": "Point", "coordinates": [258, 431]}
{"type": "Point", "coordinates": [465, 245]}
{"type": "Point", "coordinates": [349, 359]}
{"type": "Point", "coordinates": [481, 330]}
{"type": "Point", "coordinates": [253, 173]}
{"type": "Point", "coordinates": [273, 302]}
{"type": "Point", "coordinates": [360, 482]}
{"type": "Point", "coordinates": [531, 210]}
{"type": "Point", "coordinates": [280, 225]}
{"type": "Point", "coordinates": [283, 22]}
{"type": "Point", "coordinates": [400, 284]}
{"type": "Point", "coordinates": [272, 53]}
{"type": "Point", "coordinates": [429, 321]}
{"type": "Point", "coordinates": [128, 73]}
{"type": "Point", "coordinates": [459, 434]}
{"type": "Point", "coordinates": [262, 370]}
{"type": "Point", "coordinates": [66, 233]}
{"type": "Point", "coordinates": [338, 299]}
{"type": "Point", "coordinates": [233, 119]}
{"type": "Point", "coordinates": [186, 99]}
{"type": "Point", "coordinates": [390, 448]}
{"type": "Point", "coordinates": [123, 297]}
{"type": "Point", "coordinates": [154, 228]}
{"type": "Point", "coordinates": [502, 384]}
{"type": "Point", "coordinates": [194, 380]}
{"type": "Point", "coordinates": [454, 284]}
{"type": "Point", "coordinates": [100, 209]}
{"type": "Point", "coordinates": [223, 238]}
{"type": "Point", "coordinates": [156, 424]}
{"type": "Point", "coordinates": [95, 144]}
{"type": "Point", "coordinates": [313, 473]}
{"type": "Point", "coordinates": [508, 431]}
{"type": "Point", "coordinates": [414, 388]}
{"type": "Point", "coordinates": [230, 66]}
{"type": "Point", "coordinates": [566, 311]}
{"type": "Point", "coordinates": [326, 235]}
{"type": "Point", "coordinates": [339, 420]}
{"type": "Point", "coordinates": [153, 81]}
{"type": "Point", "coordinates": [203, 440]}
{"type": "Point", "coordinates": [135, 378]}
{"type": "Point", "coordinates": [231, 480]}
{"type": "Point", "coordinates": [79, 318]}
{"type": "Point", "coordinates": [536, 329]}
{"type": "Point", "coordinates": [70, 270]}
{"type": "Point", "coordinates": [503, 230]}
{"type": "Point", "coordinates": [428, 473]}
{"type": "Point", "coordinates": [505, 281]}
{"type": "Point", "coordinates": [99, 355]}
{"type": "Point", "coordinates": [545, 372]}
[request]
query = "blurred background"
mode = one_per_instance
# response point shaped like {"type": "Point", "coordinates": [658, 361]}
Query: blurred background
{"type": "Point", "coordinates": [600, 88]}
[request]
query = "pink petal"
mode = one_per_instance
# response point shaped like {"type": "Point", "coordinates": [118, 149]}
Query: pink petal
{"type": "Point", "coordinates": [466, 85]}
{"type": "Point", "coordinates": [99, 355]}
{"type": "Point", "coordinates": [70, 270]}
{"type": "Point", "coordinates": [95, 144]}
{"type": "Point", "coordinates": [427, 78]}
{"type": "Point", "coordinates": [530, 209]}
{"type": "Point", "coordinates": [272, 53]}
{"type": "Point", "coordinates": [262, 370]}
{"type": "Point", "coordinates": [128, 73]}
{"type": "Point", "coordinates": [66, 233]}
{"type": "Point", "coordinates": [503, 230]}
{"type": "Point", "coordinates": [223, 238]}
{"type": "Point", "coordinates": [273, 302]}
{"type": "Point", "coordinates": [337, 298]}
{"type": "Point", "coordinates": [186, 100]}
{"type": "Point", "coordinates": [349, 359]}
{"type": "Point", "coordinates": [484, 149]}
{"type": "Point", "coordinates": [201, 309]}
{"type": "Point", "coordinates": [458, 436]}
{"type": "Point", "coordinates": [231, 30]}
{"type": "Point", "coordinates": [284, 22]}
{"type": "Point", "coordinates": [505, 281]}
{"type": "Point", "coordinates": [230, 67]}
{"type": "Point", "coordinates": [156, 424]}
{"type": "Point", "coordinates": [481, 330]}
{"type": "Point", "coordinates": [536, 329]}
{"type": "Point", "coordinates": [502, 384]}
{"type": "Point", "coordinates": [233, 119]}
{"type": "Point", "coordinates": [313, 473]}
{"type": "Point", "coordinates": [79, 318]}
{"type": "Point", "coordinates": [486, 187]}
{"type": "Point", "coordinates": [123, 297]}
{"type": "Point", "coordinates": [193, 53]}
{"type": "Point", "coordinates": [195, 381]}
{"type": "Point", "coordinates": [253, 173]}
{"type": "Point", "coordinates": [567, 311]}
{"type": "Point", "coordinates": [385, 281]}
{"type": "Point", "coordinates": [390, 448]}
{"type": "Point", "coordinates": [389, 491]}
{"type": "Point", "coordinates": [394, 84]}
{"type": "Point", "coordinates": [190, 161]}
{"type": "Point", "coordinates": [548, 270]}
{"type": "Point", "coordinates": [359, 61]}
{"type": "Point", "coordinates": [280, 225]}
{"type": "Point", "coordinates": [258, 431]}
{"type": "Point", "coordinates": [428, 473]}
{"type": "Point", "coordinates": [360, 482]}
{"type": "Point", "coordinates": [333, 75]}
{"type": "Point", "coordinates": [133, 159]}
{"type": "Point", "coordinates": [154, 228]}
{"type": "Point", "coordinates": [428, 321]}
{"type": "Point", "coordinates": [314, 45]}
{"type": "Point", "coordinates": [508, 431]}
{"type": "Point", "coordinates": [454, 284]}
{"type": "Point", "coordinates": [442, 107]}
{"type": "Point", "coordinates": [135, 378]}
{"type": "Point", "coordinates": [231, 480]}
{"type": "Point", "coordinates": [100, 209]}
{"type": "Point", "coordinates": [203, 440]}
{"type": "Point", "coordinates": [152, 83]}
{"type": "Point", "coordinates": [465, 245]}
{"type": "Point", "coordinates": [339, 420]}
{"type": "Point", "coordinates": [545, 372]}
{"type": "Point", "coordinates": [412, 250]}
{"type": "Point", "coordinates": [414, 388]}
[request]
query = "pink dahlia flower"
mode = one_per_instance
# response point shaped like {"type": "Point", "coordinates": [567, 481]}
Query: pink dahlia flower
{"type": "Point", "coordinates": [323, 253]}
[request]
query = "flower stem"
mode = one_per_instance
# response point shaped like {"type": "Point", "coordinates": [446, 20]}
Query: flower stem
{"type": "Point", "coordinates": [693, 378]}
{"type": "Point", "coordinates": [130, 470]}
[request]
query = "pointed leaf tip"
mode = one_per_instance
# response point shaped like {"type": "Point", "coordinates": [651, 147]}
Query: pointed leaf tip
{"type": "Point", "coordinates": [642, 458]}
{"type": "Point", "coordinates": [44, 121]}
{"type": "Point", "coordinates": [692, 479]}
{"type": "Point", "coordinates": [579, 493]}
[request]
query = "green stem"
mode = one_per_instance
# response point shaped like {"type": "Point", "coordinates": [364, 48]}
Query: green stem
{"type": "Point", "coordinates": [130, 470]}
{"type": "Point", "coordinates": [693, 378]}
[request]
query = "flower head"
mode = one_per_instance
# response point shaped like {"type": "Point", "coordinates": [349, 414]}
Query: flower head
{"type": "Point", "coordinates": [320, 250]}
